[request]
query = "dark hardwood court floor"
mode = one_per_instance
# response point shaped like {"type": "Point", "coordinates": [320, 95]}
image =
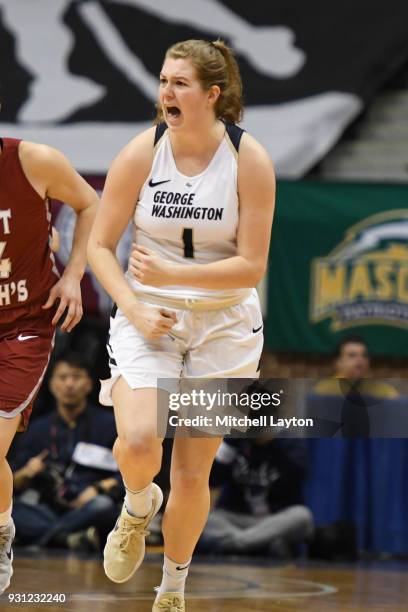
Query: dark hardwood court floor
{"type": "Point", "coordinates": [212, 586]}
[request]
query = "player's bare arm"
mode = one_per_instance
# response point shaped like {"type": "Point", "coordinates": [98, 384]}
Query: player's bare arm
{"type": "Point", "coordinates": [52, 176]}
{"type": "Point", "coordinates": [123, 183]}
{"type": "Point", "coordinates": [256, 191]}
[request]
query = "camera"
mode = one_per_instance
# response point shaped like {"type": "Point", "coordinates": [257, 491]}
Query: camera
{"type": "Point", "coordinates": [51, 485]}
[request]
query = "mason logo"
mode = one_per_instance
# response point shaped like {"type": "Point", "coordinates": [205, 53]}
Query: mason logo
{"type": "Point", "coordinates": [364, 281]}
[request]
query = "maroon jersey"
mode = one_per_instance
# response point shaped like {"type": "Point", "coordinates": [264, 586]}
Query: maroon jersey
{"type": "Point", "coordinates": [27, 265]}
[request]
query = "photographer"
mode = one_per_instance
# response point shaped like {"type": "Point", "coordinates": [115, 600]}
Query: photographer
{"type": "Point", "coordinates": [259, 508]}
{"type": "Point", "coordinates": [65, 478]}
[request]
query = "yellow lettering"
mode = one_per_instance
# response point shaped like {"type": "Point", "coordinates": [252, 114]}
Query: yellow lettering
{"type": "Point", "coordinates": [402, 284]}
{"type": "Point", "coordinates": [385, 285]}
{"type": "Point", "coordinates": [330, 285]}
{"type": "Point", "coordinates": [359, 283]}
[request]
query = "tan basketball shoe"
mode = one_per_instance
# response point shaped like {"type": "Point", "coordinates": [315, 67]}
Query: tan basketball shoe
{"type": "Point", "coordinates": [125, 545]}
{"type": "Point", "coordinates": [169, 602]}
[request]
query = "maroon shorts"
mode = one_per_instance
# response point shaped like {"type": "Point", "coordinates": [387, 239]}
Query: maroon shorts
{"type": "Point", "coordinates": [26, 342]}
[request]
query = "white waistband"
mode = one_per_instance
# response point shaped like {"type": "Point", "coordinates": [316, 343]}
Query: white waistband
{"type": "Point", "coordinates": [193, 303]}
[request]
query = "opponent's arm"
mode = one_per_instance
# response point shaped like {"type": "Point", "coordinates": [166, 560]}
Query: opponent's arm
{"type": "Point", "coordinates": [256, 192]}
{"type": "Point", "coordinates": [52, 175]}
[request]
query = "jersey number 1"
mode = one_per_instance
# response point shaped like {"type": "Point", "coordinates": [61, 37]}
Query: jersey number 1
{"type": "Point", "coordinates": [188, 242]}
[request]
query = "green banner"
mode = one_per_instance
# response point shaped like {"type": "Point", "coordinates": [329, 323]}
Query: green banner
{"type": "Point", "coordinates": [338, 266]}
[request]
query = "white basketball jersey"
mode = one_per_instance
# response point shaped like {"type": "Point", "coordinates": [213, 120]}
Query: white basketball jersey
{"type": "Point", "coordinates": [189, 219]}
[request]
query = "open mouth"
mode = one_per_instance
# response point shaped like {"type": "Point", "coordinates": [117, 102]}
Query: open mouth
{"type": "Point", "coordinates": [173, 111]}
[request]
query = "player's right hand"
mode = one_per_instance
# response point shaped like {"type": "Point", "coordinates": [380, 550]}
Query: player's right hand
{"type": "Point", "coordinates": [152, 322]}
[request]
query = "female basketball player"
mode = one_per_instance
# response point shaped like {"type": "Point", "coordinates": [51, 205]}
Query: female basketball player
{"type": "Point", "coordinates": [33, 297]}
{"type": "Point", "coordinates": [204, 194]}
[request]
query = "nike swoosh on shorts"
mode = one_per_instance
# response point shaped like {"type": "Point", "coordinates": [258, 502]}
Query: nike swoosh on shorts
{"type": "Point", "coordinates": [22, 338]}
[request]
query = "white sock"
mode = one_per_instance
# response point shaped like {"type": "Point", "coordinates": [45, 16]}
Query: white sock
{"type": "Point", "coordinates": [174, 576]}
{"type": "Point", "coordinates": [6, 516]}
{"type": "Point", "coordinates": [139, 503]}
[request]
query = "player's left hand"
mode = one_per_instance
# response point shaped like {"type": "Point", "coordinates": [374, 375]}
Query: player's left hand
{"type": "Point", "coordinates": [148, 268]}
{"type": "Point", "coordinates": [68, 291]}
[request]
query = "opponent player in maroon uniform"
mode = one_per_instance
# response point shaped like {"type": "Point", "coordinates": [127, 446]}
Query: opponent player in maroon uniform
{"type": "Point", "coordinates": [33, 297]}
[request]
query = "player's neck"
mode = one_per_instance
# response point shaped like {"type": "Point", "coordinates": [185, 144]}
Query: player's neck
{"type": "Point", "coordinates": [198, 142]}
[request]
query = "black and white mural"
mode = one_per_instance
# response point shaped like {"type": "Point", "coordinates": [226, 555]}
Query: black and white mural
{"type": "Point", "coordinates": [82, 75]}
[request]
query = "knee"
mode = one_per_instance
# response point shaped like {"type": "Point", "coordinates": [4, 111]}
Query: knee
{"type": "Point", "coordinates": [4, 449]}
{"type": "Point", "coordinates": [189, 481]}
{"type": "Point", "coordinates": [304, 518]}
{"type": "Point", "coordinates": [138, 449]}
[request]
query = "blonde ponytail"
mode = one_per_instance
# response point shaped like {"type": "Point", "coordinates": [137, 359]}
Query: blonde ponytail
{"type": "Point", "coordinates": [229, 104]}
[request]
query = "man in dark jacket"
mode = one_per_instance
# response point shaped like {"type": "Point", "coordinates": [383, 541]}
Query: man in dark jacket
{"type": "Point", "coordinates": [65, 477]}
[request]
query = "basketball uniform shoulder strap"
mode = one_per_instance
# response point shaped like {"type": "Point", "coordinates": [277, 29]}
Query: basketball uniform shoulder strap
{"type": "Point", "coordinates": [160, 129]}
{"type": "Point", "coordinates": [235, 134]}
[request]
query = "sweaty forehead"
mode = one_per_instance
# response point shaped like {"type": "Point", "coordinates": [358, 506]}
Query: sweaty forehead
{"type": "Point", "coordinates": [178, 68]}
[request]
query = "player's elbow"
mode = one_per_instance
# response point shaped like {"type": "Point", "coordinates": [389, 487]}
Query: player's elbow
{"type": "Point", "coordinates": [95, 247]}
{"type": "Point", "coordinates": [257, 272]}
{"type": "Point", "coordinates": [90, 201]}
{"type": "Point", "coordinates": [252, 268]}
{"type": "Point", "coordinates": [92, 249]}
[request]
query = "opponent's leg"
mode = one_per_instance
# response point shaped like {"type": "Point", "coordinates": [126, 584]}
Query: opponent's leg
{"type": "Point", "coordinates": [8, 428]}
{"type": "Point", "coordinates": [185, 516]}
{"type": "Point", "coordinates": [138, 452]}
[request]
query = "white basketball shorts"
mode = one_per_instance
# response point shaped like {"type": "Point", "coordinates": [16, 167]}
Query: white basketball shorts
{"type": "Point", "coordinates": [225, 343]}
